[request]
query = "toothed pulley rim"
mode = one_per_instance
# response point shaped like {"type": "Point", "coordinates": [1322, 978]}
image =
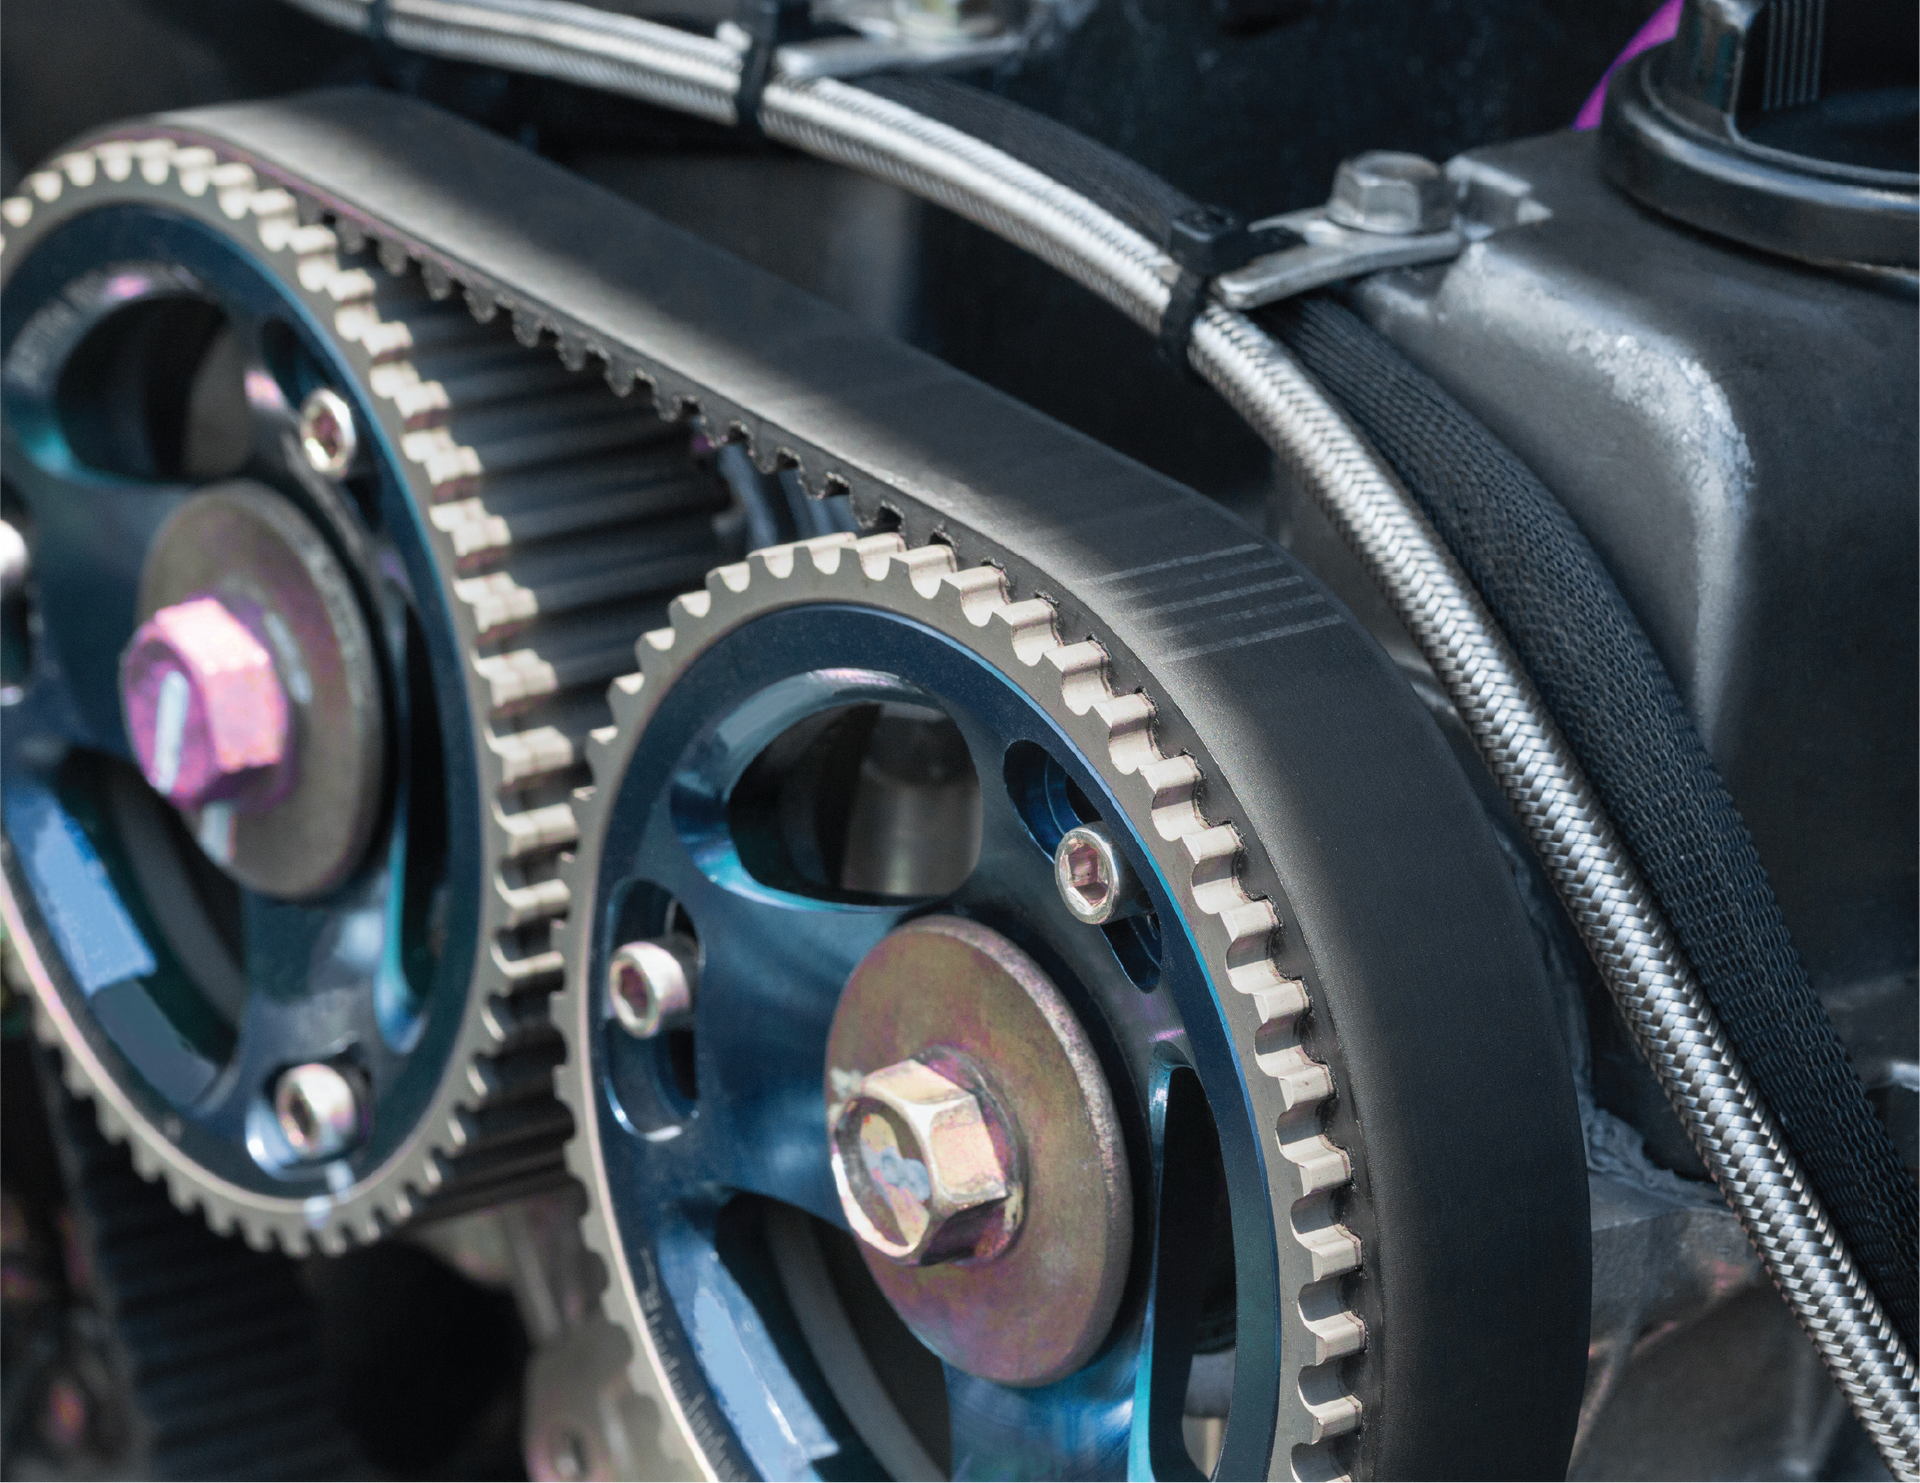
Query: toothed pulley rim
{"type": "Point", "coordinates": [834, 600]}
{"type": "Point", "coordinates": [514, 527]}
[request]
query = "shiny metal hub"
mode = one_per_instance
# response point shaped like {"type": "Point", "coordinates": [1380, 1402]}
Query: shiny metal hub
{"type": "Point", "coordinates": [205, 711]}
{"type": "Point", "coordinates": [283, 726]}
{"type": "Point", "coordinates": [997, 1216]}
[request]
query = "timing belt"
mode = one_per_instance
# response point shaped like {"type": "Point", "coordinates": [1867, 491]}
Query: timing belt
{"type": "Point", "coordinates": [535, 242]}
{"type": "Point", "coordinates": [217, 1345]}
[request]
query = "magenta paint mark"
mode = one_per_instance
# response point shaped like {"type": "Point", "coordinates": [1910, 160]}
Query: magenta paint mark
{"type": "Point", "coordinates": [1660, 26]}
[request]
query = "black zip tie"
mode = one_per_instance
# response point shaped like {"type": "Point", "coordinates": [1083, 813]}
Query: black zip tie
{"type": "Point", "coordinates": [1206, 242]}
{"type": "Point", "coordinates": [769, 24]}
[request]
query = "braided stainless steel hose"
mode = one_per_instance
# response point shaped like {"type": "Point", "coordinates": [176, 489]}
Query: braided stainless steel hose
{"type": "Point", "coordinates": [1602, 890]}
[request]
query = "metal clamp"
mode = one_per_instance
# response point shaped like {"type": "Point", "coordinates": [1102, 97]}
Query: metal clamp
{"type": "Point", "coordinates": [920, 36]}
{"type": "Point", "coordinates": [866, 55]}
{"type": "Point", "coordinates": [1388, 210]}
{"type": "Point", "coordinates": [1328, 253]}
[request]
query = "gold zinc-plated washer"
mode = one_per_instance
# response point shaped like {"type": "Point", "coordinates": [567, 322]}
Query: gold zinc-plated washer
{"type": "Point", "coordinates": [1031, 1280]}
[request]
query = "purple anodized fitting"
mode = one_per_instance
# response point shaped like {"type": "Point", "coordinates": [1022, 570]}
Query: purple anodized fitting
{"type": "Point", "coordinates": [204, 708]}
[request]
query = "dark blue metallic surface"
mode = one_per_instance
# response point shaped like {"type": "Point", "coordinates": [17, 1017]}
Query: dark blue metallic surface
{"type": "Point", "coordinates": [774, 964]}
{"type": "Point", "coordinates": [323, 977]}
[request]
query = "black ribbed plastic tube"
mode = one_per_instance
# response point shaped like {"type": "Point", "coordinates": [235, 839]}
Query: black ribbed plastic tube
{"type": "Point", "coordinates": [1598, 673]}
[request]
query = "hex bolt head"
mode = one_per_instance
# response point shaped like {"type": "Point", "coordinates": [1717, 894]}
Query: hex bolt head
{"type": "Point", "coordinates": [318, 1109]}
{"type": "Point", "coordinates": [651, 983]}
{"type": "Point", "coordinates": [204, 708]}
{"type": "Point", "coordinates": [927, 1169]}
{"type": "Point", "coordinates": [946, 20]}
{"type": "Point", "coordinates": [328, 435]}
{"type": "Point", "coordinates": [1394, 194]}
{"type": "Point", "coordinates": [1095, 880]}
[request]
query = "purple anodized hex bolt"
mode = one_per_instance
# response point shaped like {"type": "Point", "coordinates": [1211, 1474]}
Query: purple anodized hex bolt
{"type": "Point", "coordinates": [204, 708]}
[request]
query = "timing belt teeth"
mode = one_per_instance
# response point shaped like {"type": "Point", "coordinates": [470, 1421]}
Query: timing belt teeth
{"type": "Point", "coordinates": [565, 518]}
{"type": "Point", "coordinates": [217, 1349]}
{"type": "Point", "coordinates": [569, 519]}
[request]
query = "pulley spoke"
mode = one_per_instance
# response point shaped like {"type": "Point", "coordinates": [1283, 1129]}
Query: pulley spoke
{"type": "Point", "coordinates": [91, 532]}
{"type": "Point", "coordinates": [771, 968]}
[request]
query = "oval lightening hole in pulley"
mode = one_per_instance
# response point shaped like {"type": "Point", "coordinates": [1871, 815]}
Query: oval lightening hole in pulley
{"type": "Point", "coordinates": [178, 1023]}
{"type": "Point", "coordinates": [875, 801]}
{"type": "Point", "coordinates": [1050, 803]}
{"type": "Point", "coordinates": [157, 391]}
{"type": "Point", "coordinates": [431, 915]}
{"type": "Point", "coordinates": [1197, 1295]}
{"type": "Point", "coordinates": [1136, 944]}
{"type": "Point", "coordinates": [833, 1322]}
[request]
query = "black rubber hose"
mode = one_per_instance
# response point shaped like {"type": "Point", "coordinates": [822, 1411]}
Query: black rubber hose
{"type": "Point", "coordinates": [1613, 699]}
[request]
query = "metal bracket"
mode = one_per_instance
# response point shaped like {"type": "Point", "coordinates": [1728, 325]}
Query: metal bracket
{"type": "Point", "coordinates": [863, 56]}
{"type": "Point", "coordinates": [1327, 253]}
{"type": "Point", "coordinates": [1485, 200]}
{"type": "Point", "coordinates": [882, 41]}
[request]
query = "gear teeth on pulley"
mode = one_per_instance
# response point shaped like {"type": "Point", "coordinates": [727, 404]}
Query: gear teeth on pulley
{"type": "Point", "coordinates": [540, 732]}
{"type": "Point", "coordinates": [1165, 798]}
{"type": "Point", "coordinates": [561, 517]}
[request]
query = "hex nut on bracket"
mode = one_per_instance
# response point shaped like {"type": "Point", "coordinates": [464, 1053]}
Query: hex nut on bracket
{"type": "Point", "coordinates": [1391, 193]}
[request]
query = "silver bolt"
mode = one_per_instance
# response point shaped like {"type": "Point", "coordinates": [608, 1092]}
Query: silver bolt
{"type": "Point", "coordinates": [1394, 194]}
{"type": "Point", "coordinates": [1094, 878]}
{"type": "Point", "coordinates": [14, 564]}
{"type": "Point", "coordinates": [947, 21]}
{"type": "Point", "coordinates": [319, 1111]}
{"type": "Point", "coordinates": [327, 432]}
{"type": "Point", "coordinates": [921, 1177]}
{"type": "Point", "coordinates": [650, 983]}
